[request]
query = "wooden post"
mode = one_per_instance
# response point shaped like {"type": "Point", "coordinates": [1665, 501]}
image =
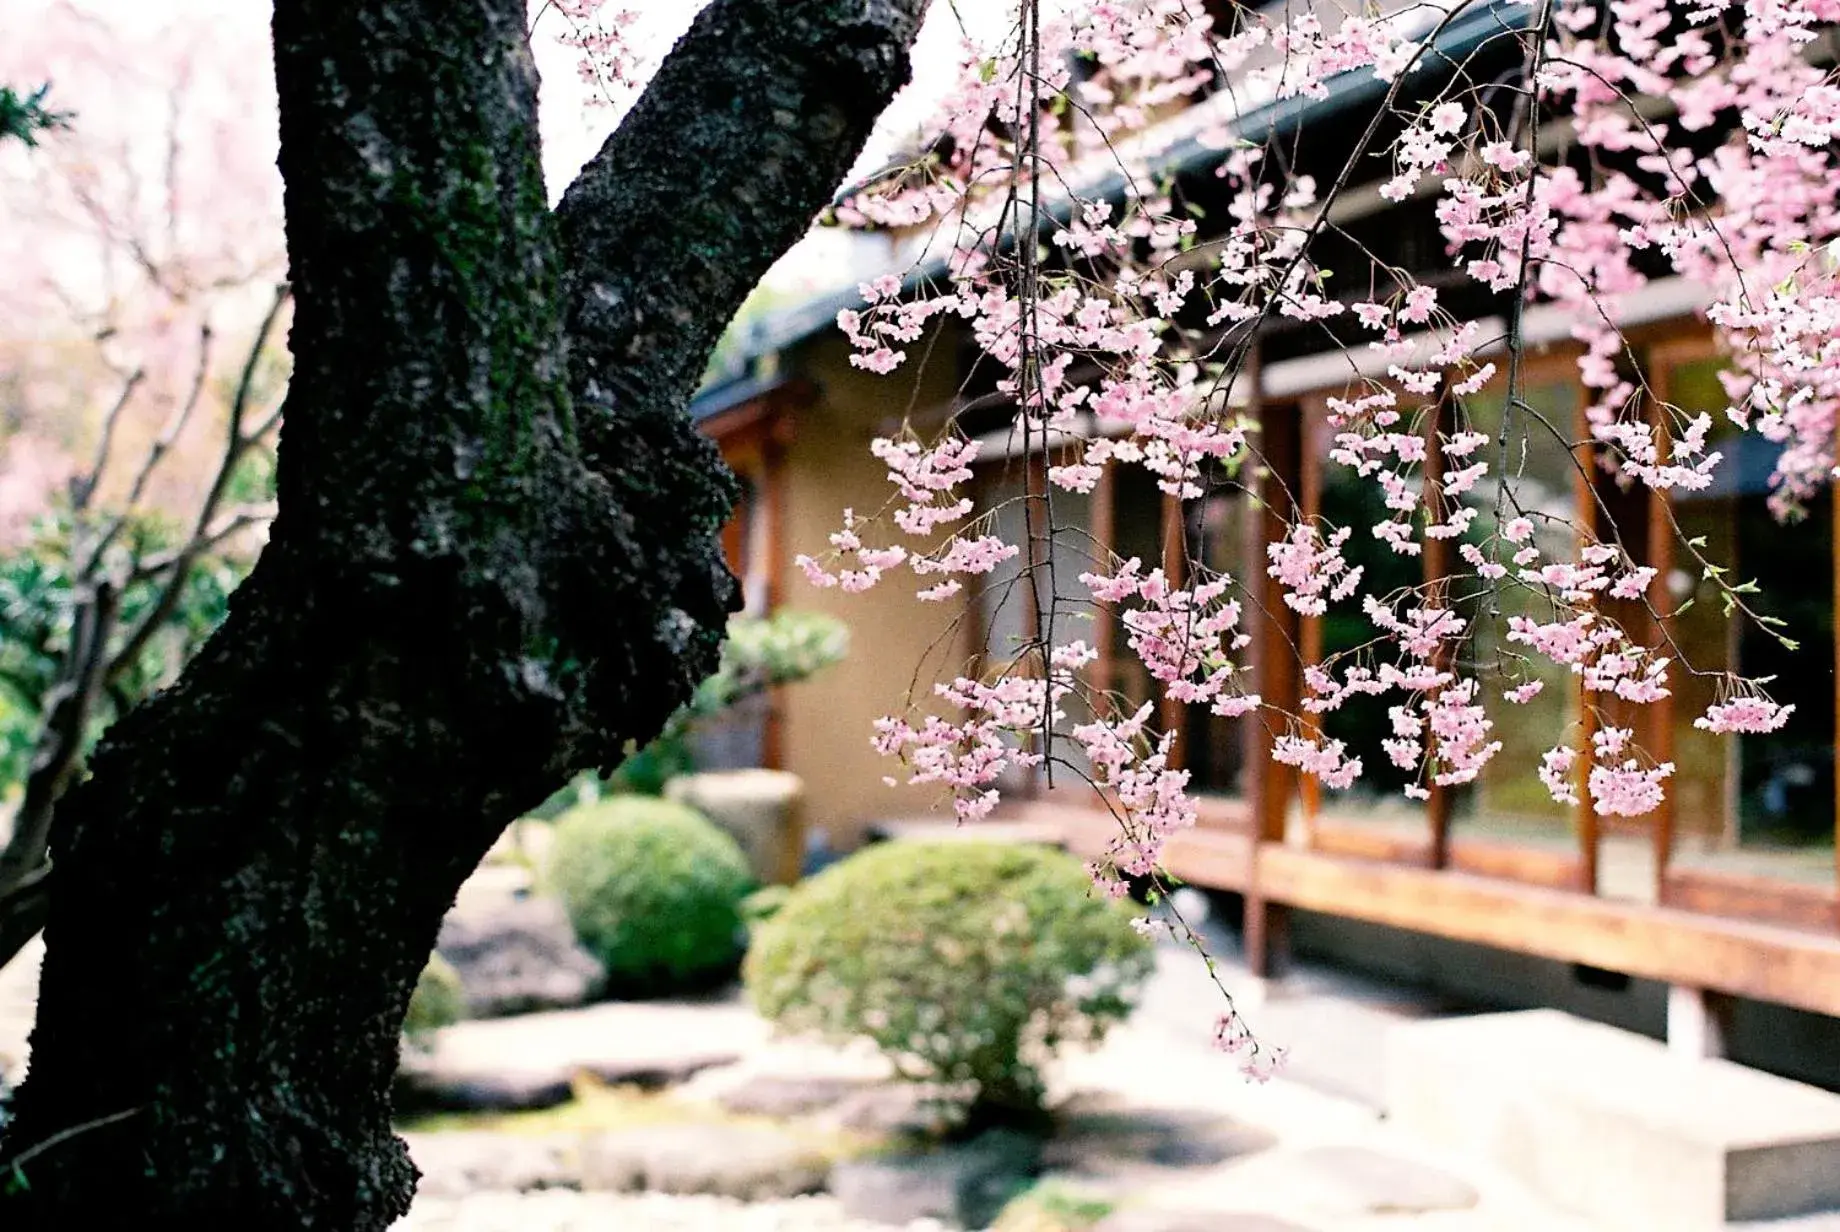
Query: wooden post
{"type": "Point", "coordinates": [1315, 451]}
{"type": "Point", "coordinates": [1274, 632]}
{"type": "Point", "coordinates": [1584, 481]}
{"type": "Point", "coordinates": [1660, 714]}
{"type": "Point", "coordinates": [1105, 540]}
{"type": "Point", "coordinates": [1436, 560]}
{"type": "Point", "coordinates": [1172, 715]}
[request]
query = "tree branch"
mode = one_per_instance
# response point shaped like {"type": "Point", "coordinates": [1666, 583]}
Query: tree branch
{"type": "Point", "coordinates": [733, 149]}
{"type": "Point", "coordinates": [85, 486]}
{"type": "Point", "coordinates": [204, 535]}
{"type": "Point", "coordinates": [58, 750]}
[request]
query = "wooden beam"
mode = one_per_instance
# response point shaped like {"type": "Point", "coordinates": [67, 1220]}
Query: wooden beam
{"type": "Point", "coordinates": [1210, 856]}
{"type": "Point", "coordinates": [1791, 903]}
{"type": "Point", "coordinates": [1556, 870]}
{"type": "Point", "coordinates": [1370, 843]}
{"type": "Point", "coordinates": [1766, 962]}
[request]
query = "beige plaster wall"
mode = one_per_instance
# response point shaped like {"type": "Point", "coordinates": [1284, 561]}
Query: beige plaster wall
{"type": "Point", "coordinates": [826, 721]}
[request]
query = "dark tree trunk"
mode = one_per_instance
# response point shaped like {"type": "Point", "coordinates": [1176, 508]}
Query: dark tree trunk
{"type": "Point", "coordinates": [495, 563]}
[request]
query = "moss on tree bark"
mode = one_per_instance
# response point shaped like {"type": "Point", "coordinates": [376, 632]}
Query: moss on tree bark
{"type": "Point", "coordinates": [496, 563]}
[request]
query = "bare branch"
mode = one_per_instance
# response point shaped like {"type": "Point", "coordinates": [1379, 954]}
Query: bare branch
{"type": "Point", "coordinates": [241, 518]}
{"type": "Point", "coordinates": [245, 384]}
{"type": "Point", "coordinates": [203, 537]}
{"type": "Point", "coordinates": [85, 487]}
{"type": "Point", "coordinates": [156, 453]}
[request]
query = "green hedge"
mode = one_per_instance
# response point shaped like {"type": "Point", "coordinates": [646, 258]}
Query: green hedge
{"type": "Point", "coordinates": [653, 890]}
{"type": "Point", "coordinates": [967, 963]}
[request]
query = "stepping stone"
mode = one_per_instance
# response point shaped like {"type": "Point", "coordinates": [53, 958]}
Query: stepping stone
{"type": "Point", "coordinates": [966, 1183]}
{"type": "Point", "coordinates": [1612, 1125]}
{"type": "Point", "coordinates": [420, 1088]}
{"type": "Point", "coordinates": [531, 1061]}
{"type": "Point", "coordinates": [789, 1095]}
{"type": "Point", "coordinates": [516, 955]}
{"type": "Point", "coordinates": [747, 1162]}
{"type": "Point", "coordinates": [1105, 1140]}
{"type": "Point", "coordinates": [455, 1164]}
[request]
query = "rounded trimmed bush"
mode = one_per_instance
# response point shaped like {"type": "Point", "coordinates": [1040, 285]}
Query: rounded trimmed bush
{"type": "Point", "coordinates": [968, 963]}
{"type": "Point", "coordinates": [438, 1000]}
{"type": "Point", "coordinates": [653, 890]}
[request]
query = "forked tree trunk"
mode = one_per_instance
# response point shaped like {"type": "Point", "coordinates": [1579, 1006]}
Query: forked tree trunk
{"type": "Point", "coordinates": [496, 563]}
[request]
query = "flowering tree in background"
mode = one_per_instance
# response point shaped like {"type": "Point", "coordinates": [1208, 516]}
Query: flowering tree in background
{"type": "Point", "coordinates": [140, 238]}
{"type": "Point", "coordinates": [1626, 143]}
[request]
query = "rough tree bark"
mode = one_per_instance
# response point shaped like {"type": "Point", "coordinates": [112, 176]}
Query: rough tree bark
{"type": "Point", "coordinates": [495, 563]}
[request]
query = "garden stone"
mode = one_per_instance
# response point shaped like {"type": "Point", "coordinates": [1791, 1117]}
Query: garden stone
{"type": "Point", "coordinates": [515, 954]}
{"type": "Point", "coordinates": [454, 1164]}
{"type": "Point", "coordinates": [967, 1183]}
{"type": "Point", "coordinates": [790, 1095]}
{"type": "Point", "coordinates": [1355, 1181]}
{"type": "Point", "coordinates": [890, 1108]}
{"type": "Point", "coordinates": [1100, 1141]}
{"type": "Point", "coordinates": [423, 1085]}
{"type": "Point", "coordinates": [750, 1163]}
{"type": "Point", "coordinates": [532, 1060]}
{"type": "Point", "coordinates": [758, 809]}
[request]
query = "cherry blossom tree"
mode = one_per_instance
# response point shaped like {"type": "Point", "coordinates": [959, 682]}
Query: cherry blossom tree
{"type": "Point", "coordinates": [495, 563]}
{"type": "Point", "coordinates": [1576, 154]}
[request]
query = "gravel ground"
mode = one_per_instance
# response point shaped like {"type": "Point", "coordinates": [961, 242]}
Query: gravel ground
{"type": "Point", "coordinates": [561, 1210]}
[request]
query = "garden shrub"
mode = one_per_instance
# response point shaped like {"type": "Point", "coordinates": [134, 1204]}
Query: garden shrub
{"type": "Point", "coordinates": [653, 890]}
{"type": "Point", "coordinates": [763, 904]}
{"type": "Point", "coordinates": [968, 963]}
{"type": "Point", "coordinates": [438, 1001]}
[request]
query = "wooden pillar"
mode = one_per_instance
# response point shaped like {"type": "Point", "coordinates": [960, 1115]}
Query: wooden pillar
{"type": "Point", "coordinates": [1315, 453]}
{"type": "Point", "coordinates": [1104, 545]}
{"type": "Point", "coordinates": [1274, 486]}
{"type": "Point", "coordinates": [1660, 714]}
{"type": "Point", "coordinates": [1584, 484]}
{"type": "Point", "coordinates": [1436, 560]}
{"type": "Point", "coordinates": [1172, 715]}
